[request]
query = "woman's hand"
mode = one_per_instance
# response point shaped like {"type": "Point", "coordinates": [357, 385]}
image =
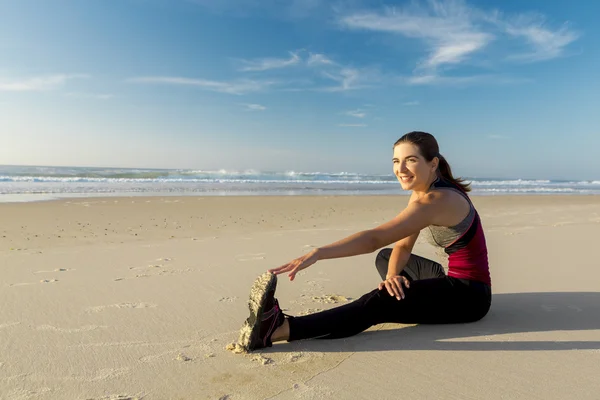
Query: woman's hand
{"type": "Point", "coordinates": [297, 265]}
{"type": "Point", "coordinates": [393, 284]}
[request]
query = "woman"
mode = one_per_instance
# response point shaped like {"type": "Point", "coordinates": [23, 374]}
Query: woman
{"type": "Point", "coordinates": [414, 289]}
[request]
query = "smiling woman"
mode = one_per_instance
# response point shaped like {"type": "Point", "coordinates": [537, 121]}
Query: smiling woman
{"type": "Point", "coordinates": [420, 146]}
{"type": "Point", "coordinates": [413, 289]}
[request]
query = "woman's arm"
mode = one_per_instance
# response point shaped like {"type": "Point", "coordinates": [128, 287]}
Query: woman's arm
{"type": "Point", "coordinates": [416, 216]}
{"type": "Point", "coordinates": [400, 255]}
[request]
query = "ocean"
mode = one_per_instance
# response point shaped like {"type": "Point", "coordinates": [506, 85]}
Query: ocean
{"type": "Point", "coordinates": [34, 183]}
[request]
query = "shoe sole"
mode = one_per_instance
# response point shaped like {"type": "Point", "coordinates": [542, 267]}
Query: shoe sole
{"type": "Point", "coordinates": [258, 293]}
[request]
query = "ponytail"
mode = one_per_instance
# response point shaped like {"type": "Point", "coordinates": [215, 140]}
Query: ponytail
{"type": "Point", "coordinates": [446, 173]}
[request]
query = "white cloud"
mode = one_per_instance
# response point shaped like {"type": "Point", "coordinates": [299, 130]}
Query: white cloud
{"type": "Point", "coordinates": [455, 32]}
{"type": "Point", "coordinates": [97, 96]}
{"type": "Point", "coordinates": [411, 103]}
{"type": "Point", "coordinates": [238, 87]}
{"type": "Point", "coordinates": [254, 107]}
{"type": "Point", "coordinates": [353, 125]}
{"type": "Point", "coordinates": [266, 64]}
{"type": "Point", "coordinates": [497, 137]}
{"type": "Point", "coordinates": [347, 78]}
{"type": "Point", "coordinates": [462, 80]}
{"type": "Point", "coordinates": [40, 83]}
{"type": "Point", "coordinates": [356, 113]}
{"type": "Point", "coordinates": [446, 27]}
{"type": "Point", "coordinates": [547, 44]}
{"type": "Point", "coordinates": [318, 59]}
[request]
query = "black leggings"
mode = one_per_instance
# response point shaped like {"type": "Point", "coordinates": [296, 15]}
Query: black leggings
{"type": "Point", "coordinates": [433, 298]}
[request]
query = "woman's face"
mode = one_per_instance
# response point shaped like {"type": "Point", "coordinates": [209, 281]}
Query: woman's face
{"type": "Point", "coordinates": [412, 169]}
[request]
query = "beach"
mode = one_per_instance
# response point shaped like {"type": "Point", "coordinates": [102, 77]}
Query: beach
{"type": "Point", "coordinates": [137, 298]}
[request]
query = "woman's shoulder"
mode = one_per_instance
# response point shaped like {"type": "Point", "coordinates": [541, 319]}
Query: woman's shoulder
{"type": "Point", "coordinates": [452, 204]}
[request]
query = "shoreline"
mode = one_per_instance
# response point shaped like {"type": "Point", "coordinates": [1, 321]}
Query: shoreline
{"type": "Point", "coordinates": [12, 198]}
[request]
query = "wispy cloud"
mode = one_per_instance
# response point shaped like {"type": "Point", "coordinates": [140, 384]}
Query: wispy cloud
{"type": "Point", "coordinates": [96, 96]}
{"type": "Point", "coordinates": [411, 103]}
{"type": "Point", "coordinates": [454, 33]}
{"type": "Point", "coordinates": [254, 107]}
{"type": "Point", "coordinates": [497, 137]}
{"type": "Point", "coordinates": [434, 79]}
{"type": "Point", "coordinates": [356, 113]}
{"type": "Point", "coordinates": [320, 67]}
{"type": "Point", "coordinates": [238, 87]}
{"type": "Point", "coordinates": [347, 79]}
{"type": "Point", "coordinates": [546, 44]}
{"type": "Point", "coordinates": [40, 83]}
{"type": "Point", "coordinates": [318, 59]}
{"type": "Point", "coordinates": [353, 125]}
{"type": "Point", "coordinates": [266, 64]}
{"type": "Point", "coordinates": [446, 27]}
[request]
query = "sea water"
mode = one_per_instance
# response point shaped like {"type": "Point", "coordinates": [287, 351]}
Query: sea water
{"type": "Point", "coordinates": [31, 183]}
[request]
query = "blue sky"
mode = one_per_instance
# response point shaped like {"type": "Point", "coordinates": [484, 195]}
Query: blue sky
{"type": "Point", "coordinates": [507, 87]}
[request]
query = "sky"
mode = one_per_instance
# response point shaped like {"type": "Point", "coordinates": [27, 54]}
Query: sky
{"type": "Point", "coordinates": [508, 87]}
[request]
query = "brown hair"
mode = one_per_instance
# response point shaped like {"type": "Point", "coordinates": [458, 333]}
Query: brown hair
{"type": "Point", "coordinates": [429, 149]}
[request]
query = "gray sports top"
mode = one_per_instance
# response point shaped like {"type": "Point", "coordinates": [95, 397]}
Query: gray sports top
{"type": "Point", "coordinates": [444, 236]}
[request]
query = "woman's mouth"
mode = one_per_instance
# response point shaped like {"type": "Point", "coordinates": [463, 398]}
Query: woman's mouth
{"type": "Point", "coordinates": [406, 179]}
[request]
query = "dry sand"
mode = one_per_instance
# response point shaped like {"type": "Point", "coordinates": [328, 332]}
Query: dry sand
{"type": "Point", "coordinates": [138, 297]}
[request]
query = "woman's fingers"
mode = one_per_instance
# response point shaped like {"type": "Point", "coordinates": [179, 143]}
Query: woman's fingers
{"type": "Point", "coordinates": [282, 269]}
{"type": "Point", "coordinates": [392, 289]}
{"type": "Point", "coordinates": [399, 288]}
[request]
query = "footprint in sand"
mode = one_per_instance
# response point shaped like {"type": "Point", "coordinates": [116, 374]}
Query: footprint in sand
{"type": "Point", "coordinates": [330, 298]}
{"type": "Point", "coordinates": [55, 270]}
{"type": "Point", "coordinates": [182, 357]}
{"type": "Point", "coordinates": [250, 257]}
{"type": "Point", "coordinates": [118, 397]}
{"type": "Point", "coordinates": [309, 311]}
{"type": "Point", "coordinates": [228, 299]}
{"type": "Point", "coordinates": [86, 328]}
{"type": "Point", "coordinates": [34, 283]}
{"type": "Point", "coordinates": [262, 359]}
{"type": "Point", "coordinates": [153, 357]}
{"type": "Point", "coordinates": [101, 375]}
{"type": "Point", "coordinates": [27, 394]}
{"type": "Point", "coordinates": [121, 305]}
{"type": "Point", "coordinates": [8, 324]}
{"type": "Point", "coordinates": [152, 266]}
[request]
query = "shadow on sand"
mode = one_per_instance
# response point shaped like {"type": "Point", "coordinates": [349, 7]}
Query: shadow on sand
{"type": "Point", "coordinates": [511, 313]}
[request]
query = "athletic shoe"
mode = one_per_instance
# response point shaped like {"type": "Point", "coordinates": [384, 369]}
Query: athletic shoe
{"type": "Point", "coordinates": [265, 314]}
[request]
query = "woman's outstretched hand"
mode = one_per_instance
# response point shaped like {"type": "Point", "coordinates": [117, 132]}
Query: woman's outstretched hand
{"type": "Point", "coordinates": [394, 284]}
{"type": "Point", "coordinates": [297, 265]}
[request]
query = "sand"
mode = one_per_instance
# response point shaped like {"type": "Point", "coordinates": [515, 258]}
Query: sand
{"type": "Point", "coordinates": [137, 298]}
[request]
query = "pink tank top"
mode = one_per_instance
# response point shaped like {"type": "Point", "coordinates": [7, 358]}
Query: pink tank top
{"type": "Point", "coordinates": [464, 243]}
